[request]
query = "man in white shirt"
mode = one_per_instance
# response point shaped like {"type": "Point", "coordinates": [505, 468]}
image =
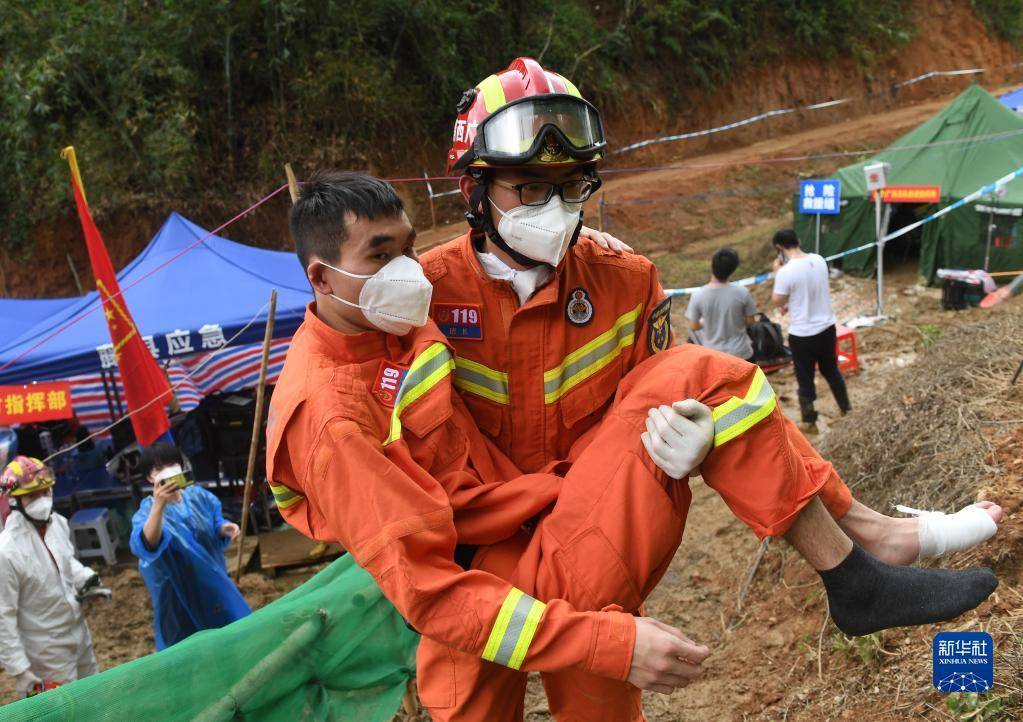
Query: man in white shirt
{"type": "Point", "coordinates": [723, 311]}
{"type": "Point", "coordinates": [801, 289]}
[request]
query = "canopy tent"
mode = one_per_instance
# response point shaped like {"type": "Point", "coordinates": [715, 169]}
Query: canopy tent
{"type": "Point", "coordinates": [1013, 100]}
{"type": "Point", "coordinates": [194, 304]}
{"type": "Point", "coordinates": [17, 314]}
{"type": "Point", "coordinates": [974, 140]}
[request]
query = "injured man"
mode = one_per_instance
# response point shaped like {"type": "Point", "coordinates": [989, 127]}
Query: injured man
{"type": "Point", "coordinates": [369, 444]}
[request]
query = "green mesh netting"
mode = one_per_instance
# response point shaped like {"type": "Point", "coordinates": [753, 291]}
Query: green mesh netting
{"type": "Point", "coordinates": [332, 649]}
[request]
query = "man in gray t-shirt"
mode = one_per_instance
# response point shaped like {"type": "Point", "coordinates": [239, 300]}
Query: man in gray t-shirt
{"type": "Point", "coordinates": [720, 312]}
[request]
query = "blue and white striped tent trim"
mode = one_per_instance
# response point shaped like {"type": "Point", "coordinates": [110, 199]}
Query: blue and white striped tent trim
{"type": "Point", "coordinates": [232, 369]}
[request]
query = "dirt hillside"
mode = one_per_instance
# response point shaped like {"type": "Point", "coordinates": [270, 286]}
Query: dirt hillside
{"type": "Point", "coordinates": [774, 85]}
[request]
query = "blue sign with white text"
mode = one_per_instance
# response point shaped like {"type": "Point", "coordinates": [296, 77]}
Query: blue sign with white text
{"type": "Point", "coordinates": [820, 197]}
{"type": "Point", "coordinates": [964, 662]}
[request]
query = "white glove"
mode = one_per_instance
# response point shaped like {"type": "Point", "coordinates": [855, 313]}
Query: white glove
{"type": "Point", "coordinates": [25, 682]}
{"type": "Point", "coordinates": [679, 437]}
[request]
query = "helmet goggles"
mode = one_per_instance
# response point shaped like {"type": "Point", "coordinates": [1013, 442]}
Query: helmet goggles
{"type": "Point", "coordinates": [554, 128]}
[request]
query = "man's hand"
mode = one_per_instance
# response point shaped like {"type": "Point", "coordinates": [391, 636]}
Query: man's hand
{"type": "Point", "coordinates": [230, 530]}
{"type": "Point", "coordinates": [664, 659]}
{"type": "Point", "coordinates": [679, 437]}
{"type": "Point", "coordinates": [778, 263]}
{"type": "Point", "coordinates": [25, 681]}
{"type": "Point", "coordinates": [605, 240]}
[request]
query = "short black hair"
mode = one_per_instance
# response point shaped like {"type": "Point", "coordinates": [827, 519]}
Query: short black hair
{"type": "Point", "coordinates": [786, 238]}
{"type": "Point", "coordinates": [158, 456]}
{"type": "Point", "coordinates": [318, 217]}
{"type": "Point", "coordinates": [723, 263]}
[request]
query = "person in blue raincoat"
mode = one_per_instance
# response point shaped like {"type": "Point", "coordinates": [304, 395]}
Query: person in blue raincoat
{"type": "Point", "coordinates": [179, 535]}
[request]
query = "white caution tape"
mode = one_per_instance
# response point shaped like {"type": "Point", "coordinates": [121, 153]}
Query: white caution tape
{"type": "Point", "coordinates": [785, 111]}
{"type": "Point", "coordinates": [989, 188]}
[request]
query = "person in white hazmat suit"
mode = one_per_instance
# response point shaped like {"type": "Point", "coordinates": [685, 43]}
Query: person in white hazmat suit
{"type": "Point", "coordinates": [44, 640]}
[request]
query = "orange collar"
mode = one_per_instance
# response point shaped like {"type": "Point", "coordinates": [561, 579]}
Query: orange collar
{"type": "Point", "coordinates": [360, 347]}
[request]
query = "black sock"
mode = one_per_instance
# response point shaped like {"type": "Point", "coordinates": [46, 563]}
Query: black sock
{"type": "Point", "coordinates": [866, 595]}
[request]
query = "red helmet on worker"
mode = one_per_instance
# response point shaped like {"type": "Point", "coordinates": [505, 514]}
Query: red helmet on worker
{"type": "Point", "coordinates": [25, 475]}
{"type": "Point", "coordinates": [525, 115]}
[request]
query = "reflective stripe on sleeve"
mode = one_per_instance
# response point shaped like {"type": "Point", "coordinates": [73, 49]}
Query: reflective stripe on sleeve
{"type": "Point", "coordinates": [591, 358]}
{"type": "Point", "coordinates": [481, 380]}
{"type": "Point", "coordinates": [513, 629]}
{"type": "Point", "coordinates": [736, 415]}
{"type": "Point", "coordinates": [429, 368]}
{"type": "Point", "coordinates": [285, 497]}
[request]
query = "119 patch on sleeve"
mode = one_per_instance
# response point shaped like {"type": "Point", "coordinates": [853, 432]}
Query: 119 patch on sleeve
{"type": "Point", "coordinates": [658, 335]}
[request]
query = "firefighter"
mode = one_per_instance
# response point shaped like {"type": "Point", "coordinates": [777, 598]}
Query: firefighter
{"type": "Point", "coordinates": [547, 327]}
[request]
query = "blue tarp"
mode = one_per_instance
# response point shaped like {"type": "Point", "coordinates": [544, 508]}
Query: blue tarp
{"type": "Point", "coordinates": [219, 282]}
{"type": "Point", "coordinates": [1013, 99]}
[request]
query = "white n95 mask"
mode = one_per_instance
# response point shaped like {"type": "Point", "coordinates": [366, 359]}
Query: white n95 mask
{"type": "Point", "coordinates": [542, 233]}
{"type": "Point", "coordinates": [39, 508]}
{"type": "Point", "coordinates": [396, 298]}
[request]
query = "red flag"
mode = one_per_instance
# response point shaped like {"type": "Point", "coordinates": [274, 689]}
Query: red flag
{"type": "Point", "coordinates": [141, 377]}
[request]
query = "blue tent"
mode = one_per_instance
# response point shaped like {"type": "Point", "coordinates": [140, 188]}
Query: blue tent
{"type": "Point", "coordinates": [1013, 99]}
{"type": "Point", "coordinates": [219, 285]}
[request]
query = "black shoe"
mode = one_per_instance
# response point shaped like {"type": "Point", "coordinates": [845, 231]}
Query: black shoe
{"type": "Point", "coordinates": [807, 411]}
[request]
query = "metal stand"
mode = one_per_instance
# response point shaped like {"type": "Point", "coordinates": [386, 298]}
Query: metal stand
{"type": "Point", "coordinates": [990, 228]}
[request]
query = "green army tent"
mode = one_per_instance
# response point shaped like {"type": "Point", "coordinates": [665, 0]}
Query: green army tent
{"type": "Point", "coordinates": [974, 140]}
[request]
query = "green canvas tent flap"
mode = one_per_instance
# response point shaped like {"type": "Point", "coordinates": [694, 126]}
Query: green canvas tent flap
{"type": "Point", "coordinates": [332, 649]}
{"type": "Point", "coordinates": [973, 141]}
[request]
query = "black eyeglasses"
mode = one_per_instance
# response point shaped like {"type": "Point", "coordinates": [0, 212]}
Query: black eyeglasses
{"type": "Point", "coordinates": [537, 193]}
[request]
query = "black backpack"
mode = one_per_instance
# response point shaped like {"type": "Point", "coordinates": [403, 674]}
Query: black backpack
{"type": "Point", "coordinates": [768, 344]}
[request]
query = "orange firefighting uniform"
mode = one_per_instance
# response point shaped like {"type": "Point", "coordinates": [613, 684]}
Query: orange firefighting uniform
{"type": "Point", "coordinates": [539, 380]}
{"type": "Point", "coordinates": [398, 480]}
{"type": "Point", "coordinates": [401, 504]}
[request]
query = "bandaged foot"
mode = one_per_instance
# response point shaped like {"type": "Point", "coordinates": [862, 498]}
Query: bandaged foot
{"type": "Point", "coordinates": [941, 533]}
{"type": "Point", "coordinates": [866, 595]}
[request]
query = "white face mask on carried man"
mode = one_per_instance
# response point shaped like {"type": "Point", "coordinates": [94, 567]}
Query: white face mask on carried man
{"type": "Point", "coordinates": [396, 298]}
{"type": "Point", "coordinates": [542, 233]}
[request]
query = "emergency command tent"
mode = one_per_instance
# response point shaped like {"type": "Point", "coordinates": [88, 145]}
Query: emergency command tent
{"type": "Point", "coordinates": [186, 311]}
{"type": "Point", "coordinates": [974, 140]}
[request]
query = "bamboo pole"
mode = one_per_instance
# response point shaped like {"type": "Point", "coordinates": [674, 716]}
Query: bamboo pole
{"type": "Point", "coordinates": [74, 274]}
{"type": "Point", "coordinates": [429, 196]}
{"type": "Point", "coordinates": [292, 182]}
{"type": "Point", "coordinates": [257, 428]}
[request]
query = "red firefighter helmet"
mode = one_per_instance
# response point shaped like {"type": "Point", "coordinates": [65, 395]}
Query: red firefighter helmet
{"type": "Point", "coordinates": [525, 115]}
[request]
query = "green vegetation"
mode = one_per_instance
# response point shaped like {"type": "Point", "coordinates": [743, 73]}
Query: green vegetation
{"type": "Point", "coordinates": [971, 706]}
{"type": "Point", "coordinates": [189, 103]}
{"type": "Point", "coordinates": [1004, 17]}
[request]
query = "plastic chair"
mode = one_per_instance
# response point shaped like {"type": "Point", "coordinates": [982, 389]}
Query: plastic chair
{"type": "Point", "coordinates": [94, 535]}
{"type": "Point", "coordinates": [845, 347]}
